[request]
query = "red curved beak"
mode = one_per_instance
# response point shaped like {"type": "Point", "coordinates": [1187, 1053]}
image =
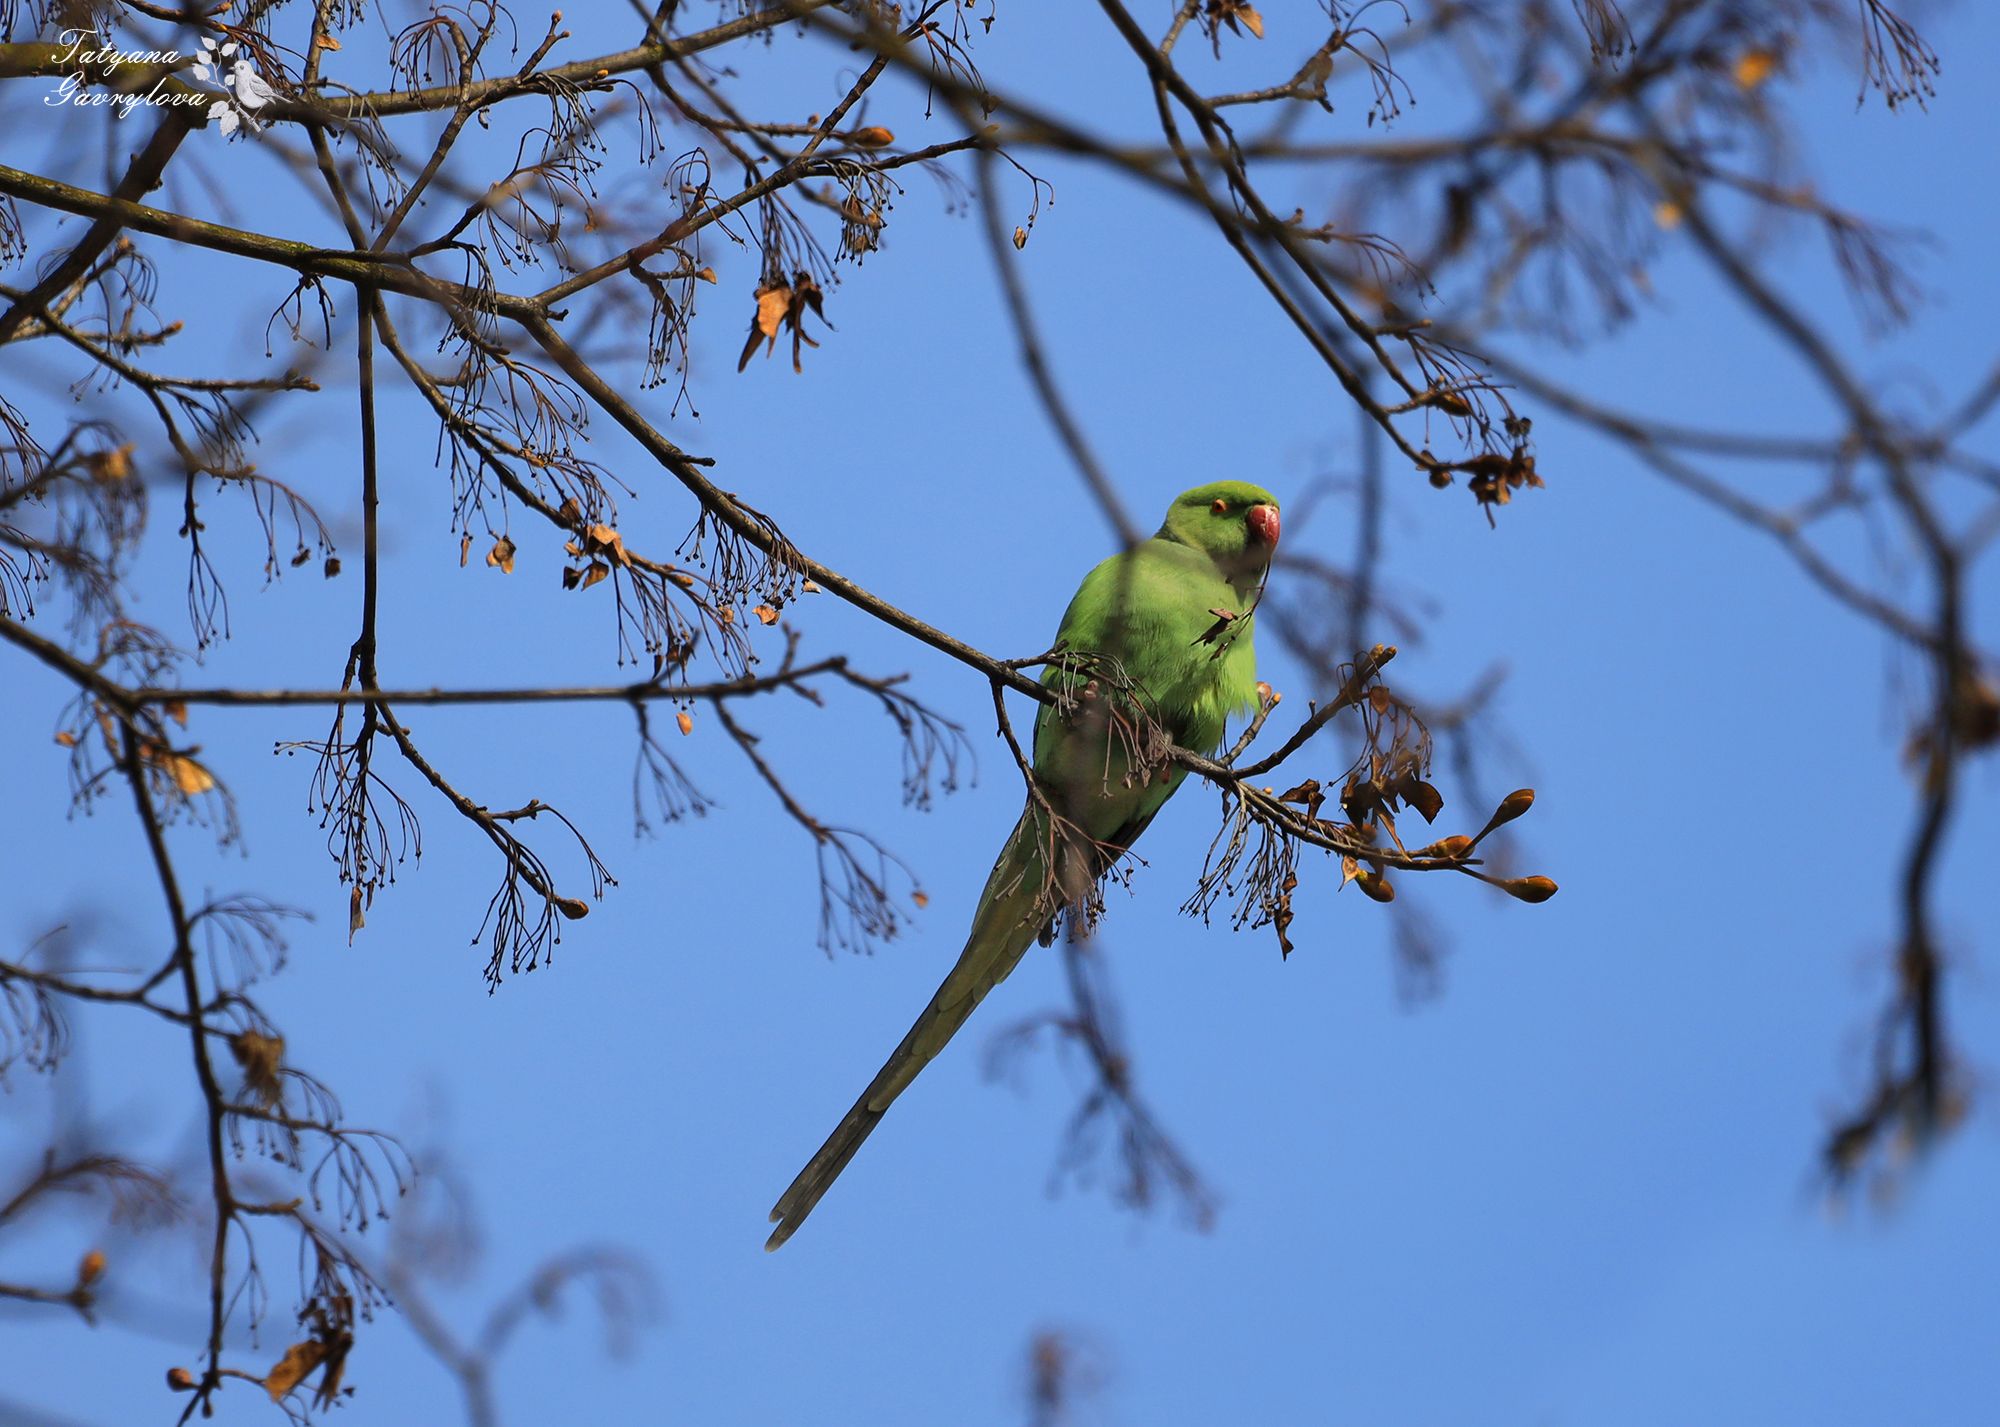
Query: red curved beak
{"type": "Point", "coordinates": [1263, 523]}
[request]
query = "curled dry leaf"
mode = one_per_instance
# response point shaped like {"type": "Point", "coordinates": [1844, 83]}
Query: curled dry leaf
{"type": "Point", "coordinates": [781, 305]}
{"type": "Point", "coordinates": [1423, 797]}
{"type": "Point", "coordinates": [686, 722]}
{"type": "Point", "coordinates": [502, 554]}
{"type": "Point", "coordinates": [1495, 477]}
{"type": "Point", "coordinates": [1238, 15]}
{"type": "Point", "coordinates": [294, 1367]}
{"type": "Point", "coordinates": [603, 537]}
{"type": "Point", "coordinates": [765, 614]}
{"type": "Point", "coordinates": [1308, 795]}
{"type": "Point", "coordinates": [189, 776]}
{"type": "Point", "coordinates": [774, 300]}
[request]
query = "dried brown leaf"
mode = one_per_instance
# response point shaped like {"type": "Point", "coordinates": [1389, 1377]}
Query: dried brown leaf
{"type": "Point", "coordinates": [603, 537]}
{"type": "Point", "coordinates": [294, 1367]}
{"type": "Point", "coordinates": [774, 301]}
{"type": "Point", "coordinates": [188, 775]}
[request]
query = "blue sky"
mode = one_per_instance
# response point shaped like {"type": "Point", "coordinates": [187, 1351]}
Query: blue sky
{"type": "Point", "coordinates": [1577, 1188]}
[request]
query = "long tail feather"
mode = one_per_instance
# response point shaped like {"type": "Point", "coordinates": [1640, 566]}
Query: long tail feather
{"type": "Point", "coordinates": [1002, 930]}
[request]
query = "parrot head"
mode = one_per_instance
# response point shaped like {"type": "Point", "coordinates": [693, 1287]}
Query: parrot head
{"type": "Point", "coordinates": [1232, 522]}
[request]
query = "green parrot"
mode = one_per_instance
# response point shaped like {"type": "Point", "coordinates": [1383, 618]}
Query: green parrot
{"type": "Point", "coordinates": [1173, 616]}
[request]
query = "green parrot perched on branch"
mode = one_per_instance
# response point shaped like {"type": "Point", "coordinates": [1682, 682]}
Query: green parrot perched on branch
{"type": "Point", "coordinates": [1157, 641]}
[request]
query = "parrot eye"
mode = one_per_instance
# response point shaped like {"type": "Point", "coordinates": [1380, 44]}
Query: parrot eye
{"type": "Point", "coordinates": [1221, 506]}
